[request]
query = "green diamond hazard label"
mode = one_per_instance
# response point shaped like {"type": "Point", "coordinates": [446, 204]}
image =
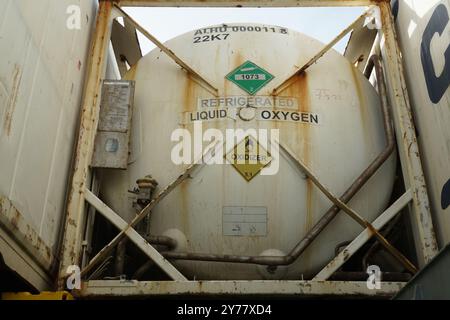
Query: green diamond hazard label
{"type": "Point", "coordinates": [250, 77]}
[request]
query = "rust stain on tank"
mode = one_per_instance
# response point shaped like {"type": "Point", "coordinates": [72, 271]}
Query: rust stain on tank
{"type": "Point", "coordinates": [12, 100]}
{"type": "Point", "coordinates": [235, 62]}
{"type": "Point", "coordinates": [299, 89]}
{"type": "Point", "coordinates": [301, 85]}
{"type": "Point", "coordinates": [189, 95]}
{"type": "Point", "coordinates": [238, 60]}
{"type": "Point", "coordinates": [184, 210]}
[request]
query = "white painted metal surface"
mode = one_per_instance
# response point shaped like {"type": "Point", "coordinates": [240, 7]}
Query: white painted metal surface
{"type": "Point", "coordinates": [42, 69]}
{"type": "Point", "coordinates": [348, 137]}
{"type": "Point", "coordinates": [424, 37]}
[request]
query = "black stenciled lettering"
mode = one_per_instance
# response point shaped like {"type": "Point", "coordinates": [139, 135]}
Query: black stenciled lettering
{"type": "Point", "coordinates": [265, 115]}
{"type": "Point", "coordinates": [275, 115]}
{"type": "Point", "coordinates": [437, 85]}
{"type": "Point", "coordinates": [305, 117]}
{"type": "Point", "coordinates": [295, 116]}
{"type": "Point", "coordinates": [445, 195]}
{"type": "Point", "coordinates": [395, 9]}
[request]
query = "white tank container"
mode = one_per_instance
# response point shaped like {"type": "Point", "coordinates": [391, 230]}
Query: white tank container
{"type": "Point", "coordinates": [347, 138]}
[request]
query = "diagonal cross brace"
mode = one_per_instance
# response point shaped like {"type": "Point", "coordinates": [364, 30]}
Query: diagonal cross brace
{"type": "Point", "coordinates": [144, 212]}
{"type": "Point", "coordinates": [363, 237]}
{"type": "Point", "coordinates": [292, 78]}
{"type": "Point", "coordinates": [138, 240]}
{"type": "Point", "coordinates": [349, 211]}
{"type": "Point", "coordinates": [167, 51]}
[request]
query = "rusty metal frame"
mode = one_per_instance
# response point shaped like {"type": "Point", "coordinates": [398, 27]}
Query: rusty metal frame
{"type": "Point", "coordinates": [350, 212]}
{"type": "Point", "coordinates": [138, 240]}
{"type": "Point", "coordinates": [407, 143]}
{"type": "Point", "coordinates": [291, 79]}
{"type": "Point", "coordinates": [127, 230]}
{"type": "Point", "coordinates": [363, 237]}
{"type": "Point", "coordinates": [261, 288]}
{"type": "Point", "coordinates": [170, 53]}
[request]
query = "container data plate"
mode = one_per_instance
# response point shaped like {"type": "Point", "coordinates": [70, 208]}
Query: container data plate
{"type": "Point", "coordinates": [113, 134]}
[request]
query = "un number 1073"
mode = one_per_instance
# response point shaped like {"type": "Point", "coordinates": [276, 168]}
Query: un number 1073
{"type": "Point", "coordinates": [254, 76]}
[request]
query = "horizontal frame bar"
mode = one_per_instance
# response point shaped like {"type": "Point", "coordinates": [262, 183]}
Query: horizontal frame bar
{"type": "Point", "coordinates": [247, 3]}
{"type": "Point", "coordinates": [134, 288]}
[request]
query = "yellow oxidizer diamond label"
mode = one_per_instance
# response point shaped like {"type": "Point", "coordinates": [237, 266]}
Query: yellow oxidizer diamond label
{"type": "Point", "coordinates": [248, 157]}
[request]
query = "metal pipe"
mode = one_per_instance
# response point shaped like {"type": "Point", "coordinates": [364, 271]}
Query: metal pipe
{"type": "Point", "coordinates": [142, 270]}
{"type": "Point", "coordinates": [162, 241]}
{"type": "Point", "coordinates": [119, 264]}
{"type": "Point", "coordinates": [330, 214]}
{"type": "Point", "coordinates": [387, 231]}
{"type": "Point", "coordinates": [154, 240]}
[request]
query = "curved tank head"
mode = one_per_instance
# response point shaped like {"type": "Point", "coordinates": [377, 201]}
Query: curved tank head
{"type": "Point", "coordinates": [328, 117]}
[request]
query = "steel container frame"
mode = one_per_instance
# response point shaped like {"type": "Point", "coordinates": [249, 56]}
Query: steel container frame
{"type": "Point", "coordinates": [416, 196]}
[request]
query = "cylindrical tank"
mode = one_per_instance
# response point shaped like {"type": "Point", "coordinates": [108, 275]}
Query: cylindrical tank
{"type": "Point", "coordinates": [330, 118]}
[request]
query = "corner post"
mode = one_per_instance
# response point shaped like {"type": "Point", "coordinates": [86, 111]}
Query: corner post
{"type": "Point", "coordinates": [74, 219]}
{"type": "Point", "coordinates": [424, 236]}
